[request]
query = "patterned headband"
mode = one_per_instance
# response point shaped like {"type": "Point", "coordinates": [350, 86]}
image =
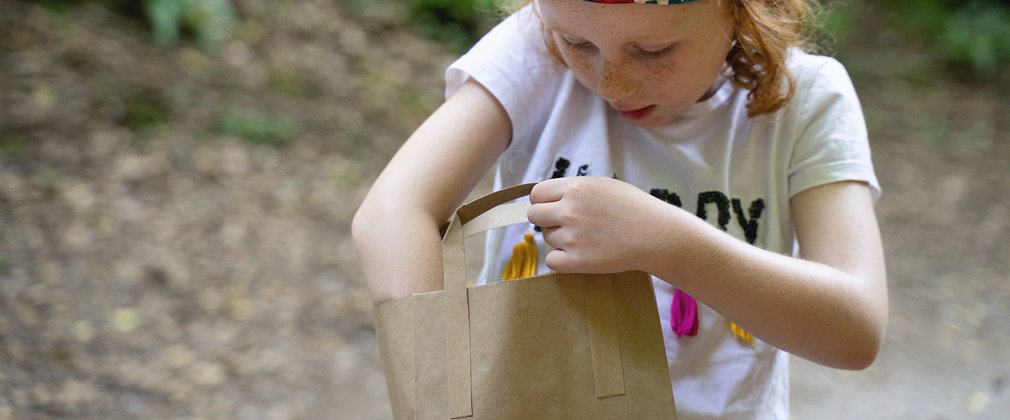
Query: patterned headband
{"type": "Point", "coordinates": [642, 1]}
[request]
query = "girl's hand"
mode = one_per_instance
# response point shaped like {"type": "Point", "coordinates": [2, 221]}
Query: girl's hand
{"type": "Point", "coordinates": [597, 225]}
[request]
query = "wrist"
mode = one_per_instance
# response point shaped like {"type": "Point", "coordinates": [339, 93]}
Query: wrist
{"type": "Point", "coordinates": [663, 238]}
{"type": "Point", "coordinates": [685, 243]}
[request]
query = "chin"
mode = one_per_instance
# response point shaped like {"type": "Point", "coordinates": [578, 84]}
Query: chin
{"type": "Point", "coordinates": [654, 121]}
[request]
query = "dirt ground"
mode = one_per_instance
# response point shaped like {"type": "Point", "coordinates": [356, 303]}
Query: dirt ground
{"type": "Point", "coordinates": [155, 263]}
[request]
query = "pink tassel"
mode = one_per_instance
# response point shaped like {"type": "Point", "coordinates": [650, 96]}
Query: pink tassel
{"type": "Point", "coordinates": [684, 314]}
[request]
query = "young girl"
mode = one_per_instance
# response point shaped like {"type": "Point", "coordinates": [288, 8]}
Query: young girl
{"type": "Point", "coordinates": [692, 140]}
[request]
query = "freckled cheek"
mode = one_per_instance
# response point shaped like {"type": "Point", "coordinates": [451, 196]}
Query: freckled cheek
{"type": "Point", "coordinates": [676, 83]}
{"type": "Point", "coordinates": [664, 79]}
{"type": "Point", "coordinates": [583, 70]}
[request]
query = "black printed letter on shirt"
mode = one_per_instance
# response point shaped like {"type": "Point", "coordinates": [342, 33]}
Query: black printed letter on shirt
{"type": "Point", "coordinates": [750, 226]}
{"type": "Point", "coordinates": [721, 203]}
{"type": "Point", "coordinates": [666, 195]}
{"type": "Point", "coordinates": [560, 167]}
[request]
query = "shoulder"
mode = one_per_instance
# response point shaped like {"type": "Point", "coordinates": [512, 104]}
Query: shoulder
{"type": "Point", "coordinates": [513, 51]}
{"type": "Point", "coordinates": [830, 141]}
{"type": "Point", "coordinates": [819, 77]}
{"type": "Point", "coordinates": [823, 86]}
{"type": "Point", "coordinates": [806, 66]}
{"type": "Point", "coordinates": [513, 64]}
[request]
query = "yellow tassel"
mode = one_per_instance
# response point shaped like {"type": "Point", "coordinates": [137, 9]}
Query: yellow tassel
{"type": "Point", "coordinates": [741, 333]}
{"type": "Point", "coordinates": [523, 262]}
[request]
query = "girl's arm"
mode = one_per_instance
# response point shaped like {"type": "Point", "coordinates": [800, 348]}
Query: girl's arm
{"type": "Point", "coordinates": [830, 306]}
{"type": "Point", "coordinates": [396, 229]}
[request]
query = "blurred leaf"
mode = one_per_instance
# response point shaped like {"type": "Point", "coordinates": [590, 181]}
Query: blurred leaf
{"type": "Point", "coordinates": [58, 6]}
{"type": "Point", "coordinates": [145, 111]}
{"type": "Point", "coordinates": [294, 85]}
{"type": "Point", "coordinates": [211, 21]}
{"type": "Point", "coordinates": [930, 16]}
{"type": "Point", "coordinates": [258, 128]}
{"type": "Point", "coordinates": [836, 23]}
{"type": "Point", "coordinates": [974, 34]}
{"type": "Point", "coordinates": [165, 17]}
{"type": "Point", "coordinates": [455, 22]}
{"type": "Point", "coordinates": [11, 146]}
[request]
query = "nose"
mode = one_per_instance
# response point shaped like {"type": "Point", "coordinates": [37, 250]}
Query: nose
{"type": "Point", "coordinates": [615, 81]}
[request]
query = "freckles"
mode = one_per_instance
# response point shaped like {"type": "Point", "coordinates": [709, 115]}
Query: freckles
{"type": "Point", "coordinates": [663, 76]}
{"type": "Point", "coordinates": [608, 81]}
{"type": "Point", "coordinates": [582, 70]}
{"type": "Point", "coordinates": [666, 72]}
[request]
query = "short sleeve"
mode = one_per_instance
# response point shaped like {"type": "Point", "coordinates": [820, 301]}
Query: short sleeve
{"type": "Point", "coordinates": [513, 63]}
{"type": "Point", "coordinates": [832, 144]}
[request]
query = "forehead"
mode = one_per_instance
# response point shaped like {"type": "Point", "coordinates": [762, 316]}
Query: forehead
{"type": "Point", "coordinates": [632, 21]}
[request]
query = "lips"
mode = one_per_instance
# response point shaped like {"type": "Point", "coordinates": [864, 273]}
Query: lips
{"type": "Point", "coordinates": [637, 114]}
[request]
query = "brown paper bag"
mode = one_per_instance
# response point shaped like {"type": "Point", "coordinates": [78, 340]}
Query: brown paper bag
{"type": "Point", "coordinates": [559, 346]}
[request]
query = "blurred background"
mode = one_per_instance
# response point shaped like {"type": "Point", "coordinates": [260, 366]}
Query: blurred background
{"type": "Point", "coordinates": [177, 180]}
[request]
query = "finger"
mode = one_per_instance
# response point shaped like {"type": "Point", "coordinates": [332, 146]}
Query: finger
{"type": "Point", "coordinates": [545, 215]}
{"type": "Point", "coordinates": [552, 237]}
{"type": "Point", "coordinates": [548, 191]}
{"type": "Point", "coordinates": [560, 261]}
{"type": "Point", "coordinates": [552, 258]}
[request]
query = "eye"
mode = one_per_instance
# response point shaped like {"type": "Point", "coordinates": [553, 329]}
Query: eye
{"type": "Point", "coordinates": [577, 43]}
{"type": "Point", "coordinates": [654, 52]}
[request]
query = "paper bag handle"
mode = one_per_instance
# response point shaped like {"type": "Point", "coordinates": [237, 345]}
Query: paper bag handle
{"type": "Point", "coordinates": [487, 212]}
{"type": "Point", "coordinates": [454, 283]}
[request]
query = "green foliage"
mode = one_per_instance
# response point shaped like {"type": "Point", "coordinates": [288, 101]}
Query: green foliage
{"type": "Point", "coordinates": [57, 5]}
{"type": "Point", "coordinates": [974, 34]}
{"type": "Point", "coordinates": [11, 146]}
{"type": "Point", "coordinates": [145, 111]}
{"type": "Point", "coordinates": [211, 21]}
{"type": "Point", "coordinates": [985, 45]}
{"type": "Point", "coordinates": [293, 85]}
{"type": "Point", "coordinates": [458, 23]}
{"type": "Point", "coordinates": [835, 23]}
{"type": "Point", "coordinates": [257, 128]}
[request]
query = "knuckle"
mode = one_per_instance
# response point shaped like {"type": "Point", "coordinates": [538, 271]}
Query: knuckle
{"type": "Point", "coordinates": [564, 240]}
{"type": "Point", "coordinates": [567, 213]}
{"type": "Point", "coordinates": [577, 186]}
{"type": "Point", "coordinates": [565, 216]}
{"type": "Point", "coordinates": [536, 192]}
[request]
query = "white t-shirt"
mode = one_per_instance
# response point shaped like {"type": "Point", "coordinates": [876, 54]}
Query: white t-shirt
{"type": "Point", "coordinates": [737, 173]}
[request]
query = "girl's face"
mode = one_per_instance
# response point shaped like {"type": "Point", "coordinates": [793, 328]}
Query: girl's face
{"type": "Point", "coordinates": [650, 62]}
